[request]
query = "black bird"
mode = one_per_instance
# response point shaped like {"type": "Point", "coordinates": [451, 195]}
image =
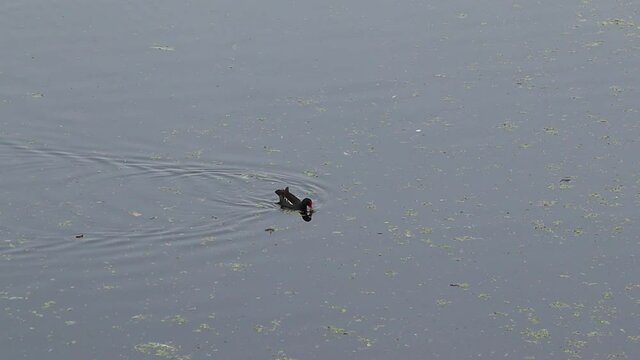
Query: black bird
{"type": "Point", "coordinates": [290, 201]}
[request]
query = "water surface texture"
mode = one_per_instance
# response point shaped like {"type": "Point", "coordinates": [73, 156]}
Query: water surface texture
{"type": "Point", "coordinates": [473, 166]}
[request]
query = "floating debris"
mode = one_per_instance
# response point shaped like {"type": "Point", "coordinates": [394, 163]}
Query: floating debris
{"type": "Point", "coordinates": [79, 236]}
{"type": "Point", "coordinates": [507, 125]}
{"type": "Point", "coordinates": [460, 285]}
{"type": "Point", "coordinates": [311, 173]}
{"type": "Point", "coordinates": [165, 351]}
{"type": "Point", "coordinates": [337, 330]}
{"type": "Point", "coordinates": [534, 336]}
{"type": "Point", "coordinates": [163, 48]}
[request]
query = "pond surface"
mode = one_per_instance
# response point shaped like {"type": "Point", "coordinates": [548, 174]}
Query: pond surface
{"type": "Point", "coordinates": [473, 167]}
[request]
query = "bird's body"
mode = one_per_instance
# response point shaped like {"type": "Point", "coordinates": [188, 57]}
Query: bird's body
{"type": "Point", "coordinates": [290, 201]}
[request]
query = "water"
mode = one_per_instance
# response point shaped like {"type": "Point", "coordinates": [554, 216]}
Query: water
{"type": "Point", "coordinates": [472, 165]}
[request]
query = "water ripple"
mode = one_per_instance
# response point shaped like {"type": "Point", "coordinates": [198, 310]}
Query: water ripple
{"type": "Point", "coordinates": [134, 207]}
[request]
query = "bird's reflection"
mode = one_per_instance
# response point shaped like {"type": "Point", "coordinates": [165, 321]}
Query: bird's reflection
{"type": "Point", "coordinates": [306, 216]}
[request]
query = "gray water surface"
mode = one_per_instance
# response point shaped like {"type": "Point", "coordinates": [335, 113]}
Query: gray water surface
{"type": "Point", "coordinates": [473, 166]}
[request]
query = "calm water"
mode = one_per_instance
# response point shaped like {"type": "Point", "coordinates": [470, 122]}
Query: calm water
{"type": "Point", "coordinates": [473, 165]}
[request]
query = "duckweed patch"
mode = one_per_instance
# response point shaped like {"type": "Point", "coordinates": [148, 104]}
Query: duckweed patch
{"type": "Point", "coordinates": [337, 330]}
{"type": "Point", "coordinates": [162, 350]}
{"type": "Point", "coordinates": [334, 330]}
{"type": "Point", "coordinates": [535, 336]}
{"type": "Point", "coordinates": [176, 319]}
{"type": "Point", "coordinates": [235, 266]}
{"type": "Point", "coordinates": [162, 47]}
{"type": "Point", "coordinates": [275, 324]}
{"type": "Point", "coordinates": [507, 125]}
{"type": "Point", "coordinates": [281, 355]}
{"type": "Point", "coordinates": [311, 173]}
{"type": "Point", "coordinates": [460, 285]}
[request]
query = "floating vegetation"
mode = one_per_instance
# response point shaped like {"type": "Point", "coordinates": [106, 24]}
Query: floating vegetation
{"type": "Point", "coordinates": [593, 44]}
{"type": "Point", "coordinates": [162, 47]}
{"type": "Point", "coordinates": [342, 309]}
{"type": "Point", "coordinates": [202, 328]}
{"type": "Point", "coordinates": [466, 238]}
{"type": "Point", "coordinates": [140, 317]}
{"type": "Point", "coordinates": [176, 319]}
{"type": "Point", "coordinates": [615, 188]}
{"type": "Point", "coordinates": [615, 90]}
{"type": "Point", "coordinates": [616, 21]}
{"type": "Point", "coordinates": [553, 167]}
{"type": "Point", "coordinates": [344, 332]}
{"type": "Point", "coordinates": [547, 203]}
{"type": "Point", "coordinates": [48, 304]}
{"type": "Point", "coordinates": [235, 266]}
{"type": "Point", "coordinates": [271, 150]}
{"type": "Point", "coordinates": [573, 347]}
{"type": "Point", "coordinates": [443, 302]}
{"type": "Point", "coordinates": [4, 295]}
{"type": "Point", "coordinates": [460, 285]}
{"type": "Point", "coordinates": [365, 341]}
{"type": "Point", "coordinates": [551, 131]}
{"type": "Point", "coordinates": [634, 339]}
{"type": "Point", "coordinates": [607, 295]}
{"type": "Point", "coordinates": [618, 355]}
{"type": "Point", "coordinates": [281, 355]}
{"type": "Point", "coordinates": [311, 173]}
{"type": "Point", "coordinates": [164, 351]}
{"type": "Point", "coordinates": [208, 240]}
{"type": "Point", "coordinates": [564, 185]}
{"type": "Point", "coordinates": [535, 336]}
{"type": "Point", "coordinates": [525, 81]}
{"type": "Point", "coordinates": [559, 305]}
{"type": "Point", "coordinates": [275, 324]}
{"type": "Point", "coordinates": [507, 125]}
{"type": "Point", "coordinates": [425, 230]}
{"type": "Point", "coordinates": [411, 212]}
{"type": "Point", "coordinates": [337, 331]}
{"type": "Point", "coordinates": [65, 223]}
{"type": "Point", "coordinates": [301, 101]}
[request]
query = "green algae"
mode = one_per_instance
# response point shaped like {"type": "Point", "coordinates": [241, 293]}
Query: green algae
{"type": "Point", "coordinates": [535, 336]}
{"type": "Point", "coordinates": [162, 350]}
{"type": "Point", "coordinates": [176, 319]}
{"type": "Point", "coordinates": [337, 330]}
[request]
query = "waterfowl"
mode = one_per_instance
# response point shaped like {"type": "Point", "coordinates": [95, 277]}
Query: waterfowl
{"type": "Point", "coordinates": [290, 201]}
